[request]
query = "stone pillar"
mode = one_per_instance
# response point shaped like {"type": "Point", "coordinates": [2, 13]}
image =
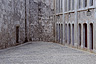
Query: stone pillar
{"type": "Point", "coordinates": [82, 36]}
{"type": "Point", "coordinates": [55, 20]}
{"type": "Point", "coordinates": [63, 21]}
{"type": "Point", "coordinates": [88, 35]}
{"type": "Point", "coordinates": [76, 25]}
{"type": "Point", "coordinates": [67, 33]}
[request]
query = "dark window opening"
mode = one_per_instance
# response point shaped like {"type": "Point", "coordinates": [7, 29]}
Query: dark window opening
{"type": "Point", "coordinates": [65, 5]}
{"type": "Point", "coordinates": [61, 5]}
{"type": "Point", "coordinates": [79, 34]}
{"type": "Point", "coordinates": [61, 33]}
{"type": "Point", "coordinates": [69, 34]}
{"type": "Point", "coordinates": [91, 36]}
{"type": "Point", "coordinates": [79, 3]}
{"type": "Point", "coordinates": [17, 34]}
{"type": "Point", "coordinates": [57, 32]}
{"type": "Point", "coordinates": [91, 2]}
{"type": "Point", "coordinates": [72, 34]}
{"type": "Point", "coordinates": [85, 34]}
{"type": "Point", "coordinates": [66, 33]}
{"type": "Point", "coordinates": [85, 3]}
{"type": "Point", "coordinates": [69, 5]}
{"type": "Point", "coordinates": [72, 4]}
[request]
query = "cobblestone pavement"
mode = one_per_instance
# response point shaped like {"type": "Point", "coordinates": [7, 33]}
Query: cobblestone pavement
{"type": "Point", "coordinates": [45, 53]}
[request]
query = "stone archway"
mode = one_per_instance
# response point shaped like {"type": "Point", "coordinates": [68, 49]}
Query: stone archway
{"type": "Point", "coordinates": [91, 36]}
{"type": "Point", "coordinates": [66, 33]}
{"type": "Point", "coordinates": [69, 34]}
{"type": "Point", "coordinates": [79, 34]}
{"type": "Point", "coordinates": [85, 34]}
{"type": "Point", "coordinates": [72, 34]}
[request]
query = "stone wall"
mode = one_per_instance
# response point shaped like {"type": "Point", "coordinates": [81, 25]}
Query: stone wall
{"type": "Point", "coordinates": [39, 21]}
{"type": "Point", "coordinates": [11, 15]}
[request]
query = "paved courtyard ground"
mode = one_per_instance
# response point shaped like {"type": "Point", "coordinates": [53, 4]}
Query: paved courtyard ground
{"type": "Point", "coordinates": [45, 53]}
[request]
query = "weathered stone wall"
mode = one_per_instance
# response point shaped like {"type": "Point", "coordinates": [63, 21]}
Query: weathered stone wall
{"type": "Point", "coordinates": [69, 18]}
{"type": "Point", "coordinates": [47, 20]}
{"type": "Point", "coordinates": [39, 21]}
{"type": "Point", "coordinates": [11, 15]}
{"type": "Point", "coordinates": [33, 21]}
{"type": "Point", "coordinates": [83, 17]}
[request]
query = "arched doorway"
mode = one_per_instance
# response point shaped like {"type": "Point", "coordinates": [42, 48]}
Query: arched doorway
{"type": "Point", "coordinates": [79, 34]}
{"type": "Point", "coordinates": [66, 33]}
{"type": "Point", "coordinates": [72, 34]}
{"type": "Point", "coordinates": [61, 33]}
{"type": "Point", "coordinates": [85, 34]}
{"type": "Point", "coordinates": [91, 36]}
{"type": "Point", "coordinates": [69, 34]}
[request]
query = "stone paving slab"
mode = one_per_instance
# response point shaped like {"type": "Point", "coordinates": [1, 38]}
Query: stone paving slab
{"type": "Point", "coordinates": [45, 53]}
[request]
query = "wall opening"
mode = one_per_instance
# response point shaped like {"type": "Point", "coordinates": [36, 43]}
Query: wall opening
{"type": "Point", "coordinates": [61, 33]}
{"type": "Point", "coordinates": [91, 2]}
{"type": "Point", "coordinates": [79, 34]}
{"type": "Point", "coordinates": [91, 36]}
{"type": "Point", "coordinates": [72, 34]}
{"type": "Point", "coordinates": [65, 5]}
{"type": "Point", "coordinates": [66, 33]}
{"type": "Point", "coordinates": [79, 3]}
{"type": "Point", "coordinates": [57, 32]}
{"type": "Point", "coordinates": [85, 3]}
{"type": "Point", "coordinates": [85, 34]}
{"type": "Point", "coordinates": [69, 5]}
{"type": "Point", "coordinates": [72, 4]}
{"type": "Point", "coordinates": [17, 34]}
{"type": "Point", "coordinates": [69, 34]}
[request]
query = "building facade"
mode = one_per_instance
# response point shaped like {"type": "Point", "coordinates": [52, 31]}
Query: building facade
{"type": "Point", "coordinates": [75, 22]}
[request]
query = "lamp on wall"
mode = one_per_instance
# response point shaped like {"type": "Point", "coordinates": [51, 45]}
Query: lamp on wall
{"type": "Point", "coordinates": [69, 15]}
{"type": "Point", "coordinates": [88, 12]}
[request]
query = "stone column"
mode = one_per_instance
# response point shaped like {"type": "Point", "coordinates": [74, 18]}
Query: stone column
{"type": "Point", "coordinates": [76, 25]}
{"type": "Point", "coordinates": [63, 21]}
